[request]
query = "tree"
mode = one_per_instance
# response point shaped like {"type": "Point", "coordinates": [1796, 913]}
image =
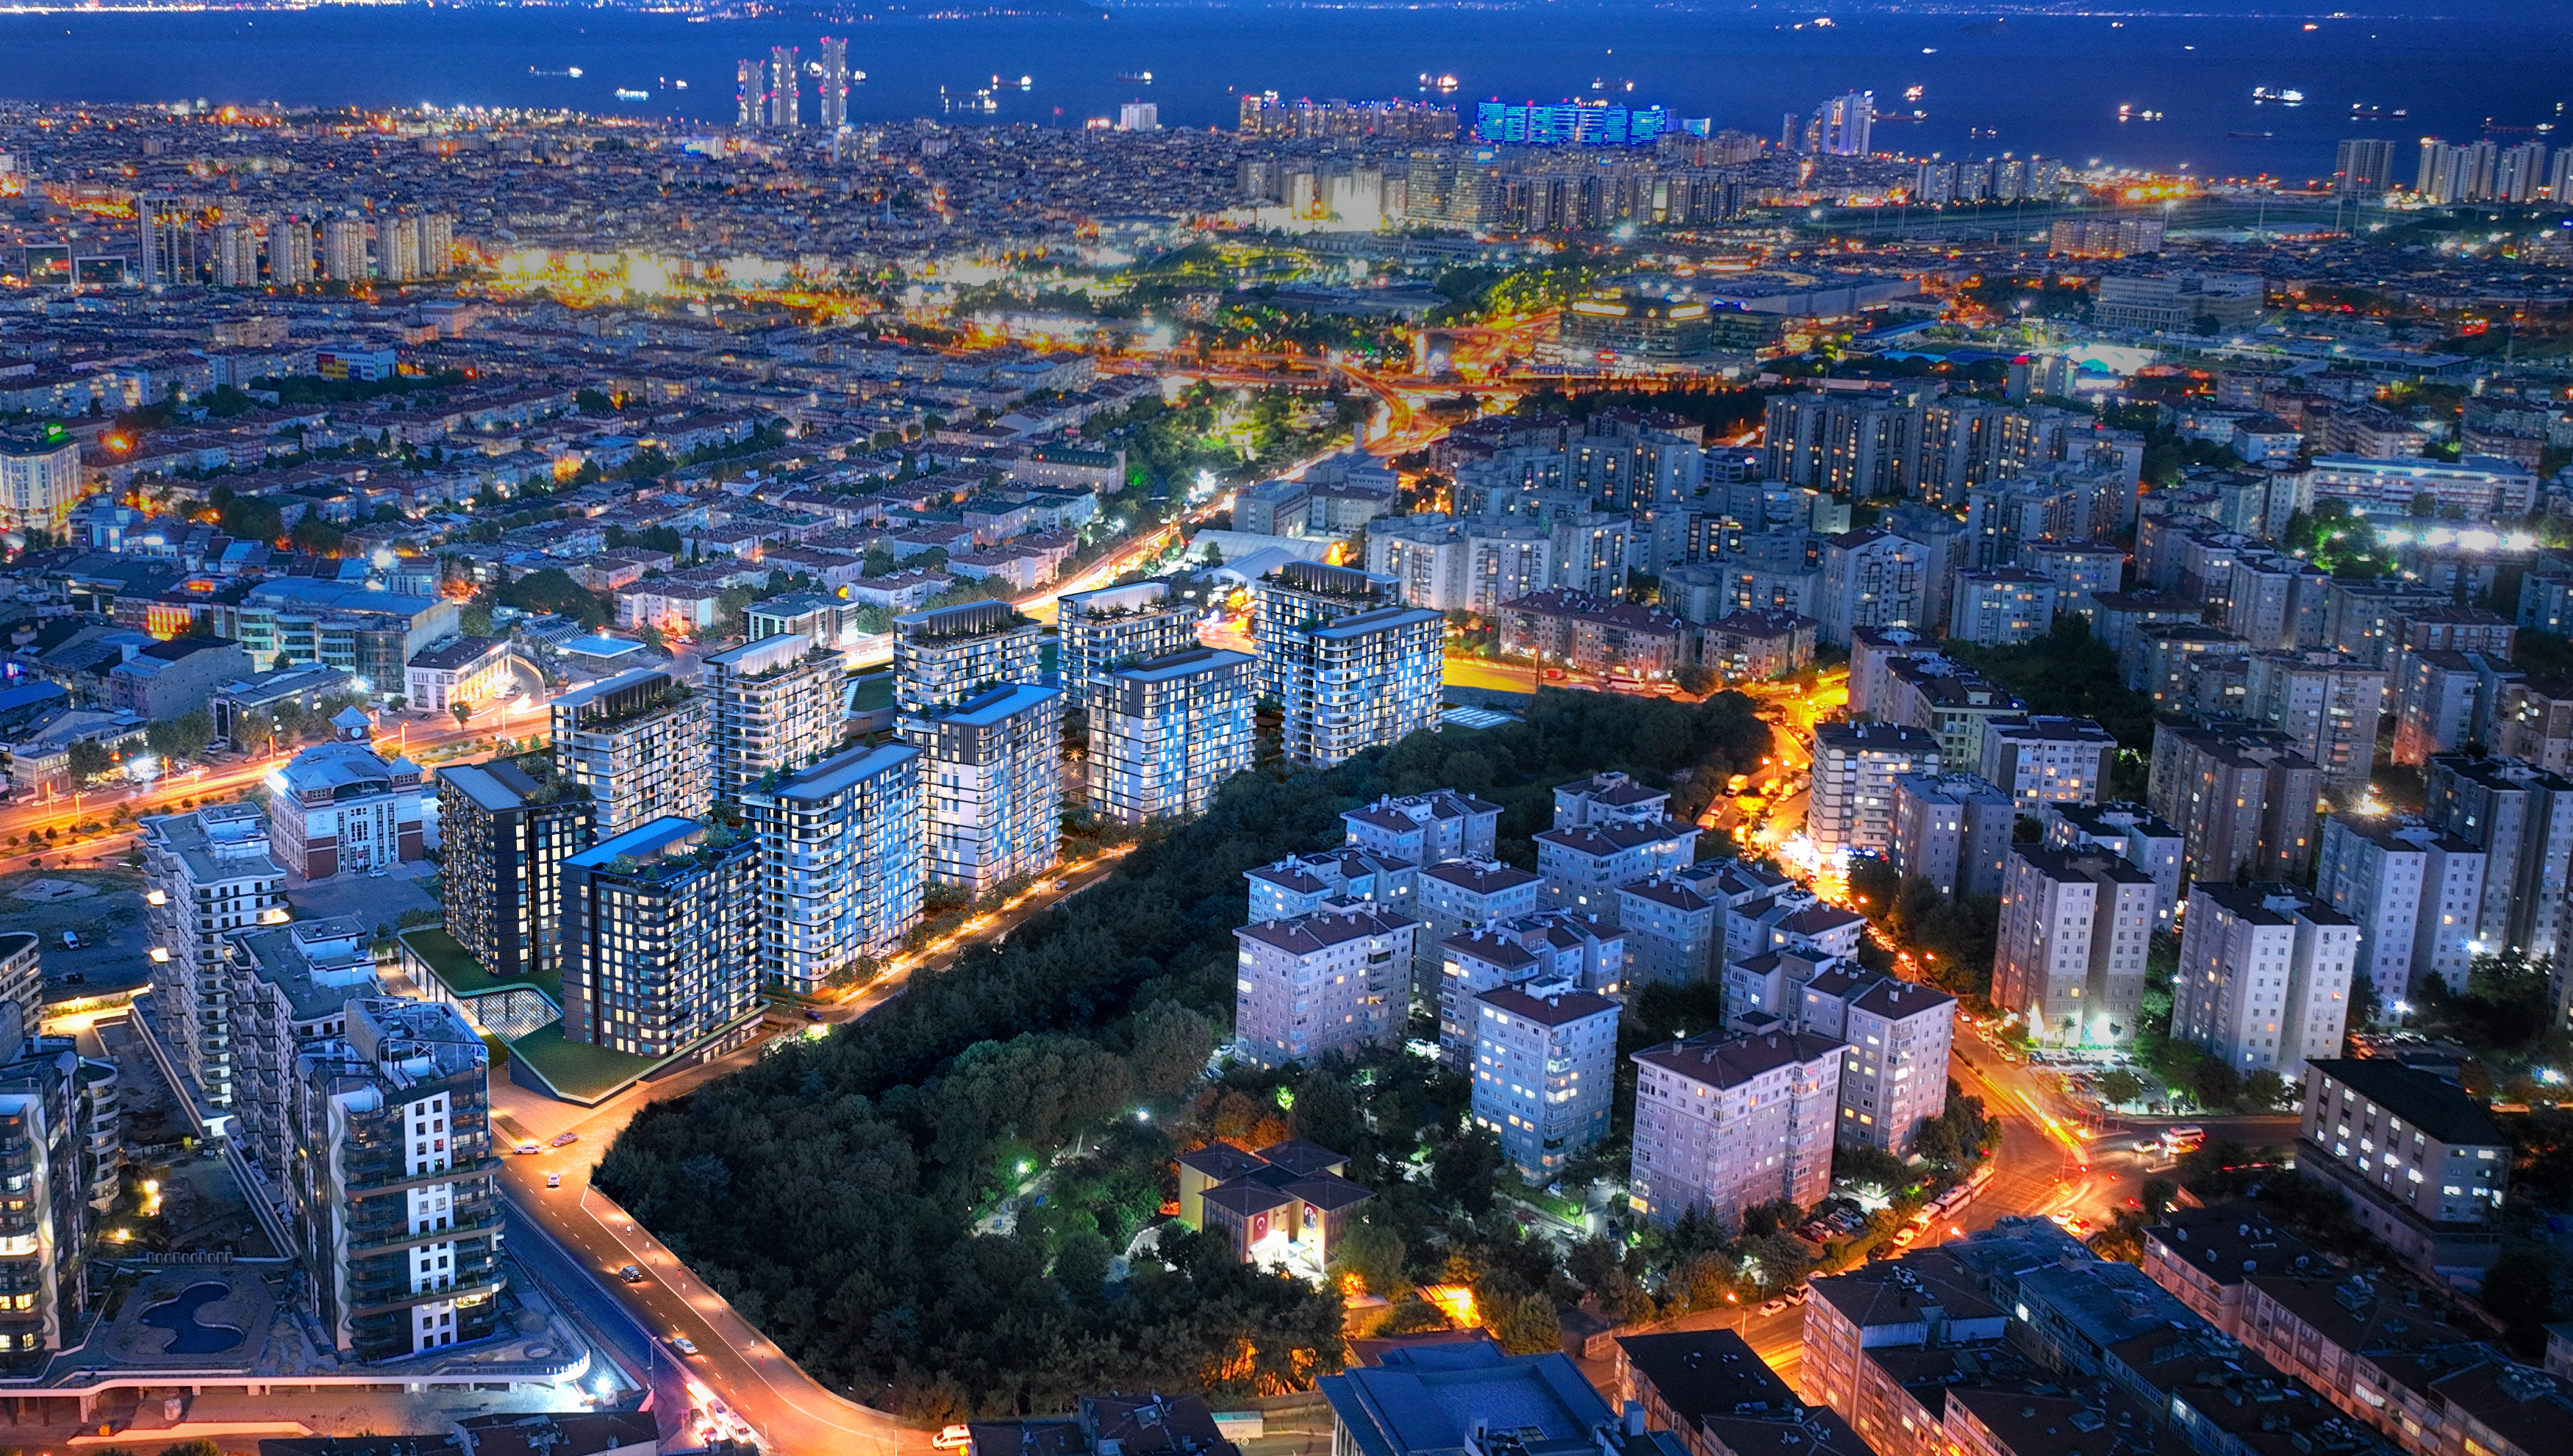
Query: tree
{"type": "Point", "coordinates": [2265, 1091]}
{"type": "Point", "coordinates": [462, 710]}
{"type": "Point", "coordinates": [1527, 1325]}
{"type": "Point", "coordinates": [251, 518]}
{"type": "Point", "coordinates": [2121, 1088]}
{"type": "Point", "coordinates": [87, 759]}
{"type": "Point", "coordinates": [1371, 1255]}
{"type": "Point", "coordinates": [650, 636]}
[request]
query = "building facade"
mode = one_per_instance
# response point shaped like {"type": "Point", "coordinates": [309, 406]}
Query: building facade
{"type": "Point", "coordinates": [991, 786]}
{"type": "Point", "coordinates": [1332, 981]}
{"type": "Point", "coordinates": [339, 808]}
{"type": "Point", "coordinates": [2076, 926]}
{"type": "Point", "coordinates": [641, 743]}
{"type": "Point", "coordinates": [506, 837]}
{"type": "Point", "coordinates": [1726, 1122]}
{"type": "Point", "coordinates": [840, 866]}
{"type": "Point", "coordinates": [775, 708]}
{"type": "Point", "coordinates": [211, 873]}
{"type": "Point", "coordinates": [2265, 974]}
{"type": "Point", "coordinates": [1546, 1071]}
{"type": "Point", "coordinates": [1167, 732]}
{"type": "Point", "coordinates": [661, 932]}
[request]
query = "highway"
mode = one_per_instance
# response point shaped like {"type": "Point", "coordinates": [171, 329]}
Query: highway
{"type": "Point", "coordinates": [578, 1229]}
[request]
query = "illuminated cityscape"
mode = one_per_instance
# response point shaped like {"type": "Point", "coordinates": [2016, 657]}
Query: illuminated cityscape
{"type": "Point", "coordinates": [1262, 765]}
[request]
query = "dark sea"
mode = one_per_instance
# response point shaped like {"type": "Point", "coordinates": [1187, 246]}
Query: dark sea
{"type": "Point", "coordinates": [2048, 84]}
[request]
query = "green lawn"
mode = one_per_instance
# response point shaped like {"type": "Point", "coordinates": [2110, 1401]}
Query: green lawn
{"type": "Point", "coordinates": [464, 975]}
{"type": "Point", "coordinates": [578, 1069]}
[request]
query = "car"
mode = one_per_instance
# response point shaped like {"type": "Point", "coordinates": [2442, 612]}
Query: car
{"type": "Point", "coordinates": [527, 1147]}
{"type": "Point", "coordinates": [812, 1013]}
{"type": "Point", "coordinates": [2148, 1145]}
{"type": "Point", "coordinates": [2060, 1218]}
{"type": "Point", "coordinates": [630, 1274]}
{"type": "Point", "coordinates": [71, 939]}
{"type": "Point", "coordinates": [1902, 1237]}
{"type": "Point", "coordinates": [1800, 1293]}
{"type": "Point", "coordinates": [1772, 1306]}
{"type": "Point", "coordinates": [683, 1344]}
{"type": "Point", "coordinates": [564, 1140]}
{"type": "Point", "coordinates": [554, 1181]}
{"type": "Point", "coordinates": [951, 1437]}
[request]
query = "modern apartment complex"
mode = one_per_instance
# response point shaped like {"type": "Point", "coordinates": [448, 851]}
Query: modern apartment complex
{"type": "Point", "coordinates": [395, 1197]}
{"type": "Point", "coordinates": [947, 655]}
{"type": "Point", "coordinates": [775, 707]}
{"type": "Point", "coordinates": [991, 786]}
{"type": "Point", "coordinates": [505, 836]}
{"type": "Point", "coordinates": [839, 865]}
{"type": "Point", "coordinates": [1099, 632]}
{"type": "Point", "coordinates": [641, 743]}
{"type": "Point", "coordinates": [661, 933]}
{"type": "Point", "coordinates": [1167, 732]}
{"type": "Point", "coordinates": [211, 874]}
{"type": "Point", "coordinates": [1350, 666]}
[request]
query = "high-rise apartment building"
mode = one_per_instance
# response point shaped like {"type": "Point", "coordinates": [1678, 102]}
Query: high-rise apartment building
{"type": "Point", "coordinates": [1546, 1071]}
{"type": "Point", "coordinates": [343, 250]}
{"type": "Point", "coordinates": [1953, 830]}
{"type": "Point", "coordinates": [2130, 832]}
{"type": "Point", "coordinates": [840, 865]}
{"type": "Point", "coordinates": [662, 936]}
{"type": "Point", "coordinates": [291, 258]}
{"type": "Point", "coordinates": [1099, 631]}
{"type": "Point", "coordinates": [398, 248]}
{"type": "Point", "coordinates": [236, 257]}
{"type": "Point", "coordinates": [1673, 929]}
{"type": "Point", "coordinates": [285, 987]}
{"type": "Point", "coordinates": [505, 836]}
{"type": "Point", "coordinates": [2363, 167]}
{"type": "Point", "coordinates": [641, 744]}
{"type": "Point", "coordinates": [1351, 667]}
{"type": "Point", "coordinates": [1332, 981]}
{"type": "Point", "coordinates": [1727, 1122]}
{"type": "Point", "coordinates": [1855, 766]}
{"type": "Point", "coordinates": [2243, 799]}
{"type": "Point", "coordinates": [945, 655]}
{"type": "Point", "coordinates": [2264, 975]}
{"type": "Point", "coordinates": [52, 1105]}
{"type": "Point", "coordinates": [2521, 817]}
{"type": "Point", "coordinates": [991, 786]}
{"type": "Point", "coordinates": [1457, 895]}
{"type": "Point", "coordinates": [1894, 1057]}
{"type": "Point", "coordinates": [2040, 759]}
{"type": "Point", "coordinates": [749, 93]}
{"type": "Point", "coordinates": [2076, 929]}
{"type": "Point", "coordinates": [168, 226]}
{"type": "Point", "coordinates": [1167, 732]}
{"type": "Point", "coordinates": [2416, 893]}
{"type": "Point", "coordinates": [775, 707]}
{"type": "Point", "coordinates": [831, 100]}
{"type": "Point", "coordinates": [2325, 703]}
{"type": "Point", "coordinates": [395, 1193]}
{"type": "Point", "coordinates": [1555, 947]}
{"type": "Point", "coordinates": [785, 88]}
{"type": "Point", "coordinates": [1846, 124]}
{"type": "Point", "coordinates": [211, 874]}
{"type": "Point", "coordinates": [1871, 578]}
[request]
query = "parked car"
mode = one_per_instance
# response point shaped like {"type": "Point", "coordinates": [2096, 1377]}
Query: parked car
{"type": "Point", "coordinates": [1773, 1307]}
{"type": "Point", "coordinates": [71, 939]}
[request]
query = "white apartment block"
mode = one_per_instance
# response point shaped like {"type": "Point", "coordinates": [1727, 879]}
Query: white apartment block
{"type": "Point", "coordinates": [2001, 607]}
{"type": "Point", "coordinates": [1673, 932]}
{"type": "Point", "coordinates": [1100, 631]}
{"type": "Point", "coordinates": [1362, 681]}
{"type": "Point", "coordinates": [776, 708]}
{"type": "Point", "coordinates": [991, 786]}
{"type": "Point", "coordinates": [1872, 579]}
{"type": "Point", "coordinates": [1426, 829]}
{"type": "Point", "coordinates": [1323, 982]}
{"type": "Point", "coordinates": [945, 655]}
{"type": "Point", "coordinates": [2327, 702]}
{"type": "Point", "coordinates": [1724, 1122]}
{"type": "Point", "coordinates": [2415, 894]}
{"type": "Point", "coordinates": [840, 858]}
{"type": "Point", "coordinates": [1167, 732]}
{"type": "Point", "coordinates": [2076, 926]}
{"type": "Point", "coordinates": [1894, 1068]}
{"type": "Point", "coordinates": [210, 874]}
{"type": "Point", "coordinates": [2263, 977]}
{"type": "Point", "coordinates": [1546, 1071]}
{"type": "Point", "coordinates": [2040, 760]}
{"type": "Point", "coordinates": [1549, 947]}
{"type": "Point", "coordinates": [1855, 766]}
{"type": "Point", "coordinates": [1584, 868]}
{"type": "Point", "coordinates": [640, 742]}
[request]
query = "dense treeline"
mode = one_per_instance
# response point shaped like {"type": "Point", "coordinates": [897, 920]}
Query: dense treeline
{"type": "Point", "coordinates": [838, 1192]}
